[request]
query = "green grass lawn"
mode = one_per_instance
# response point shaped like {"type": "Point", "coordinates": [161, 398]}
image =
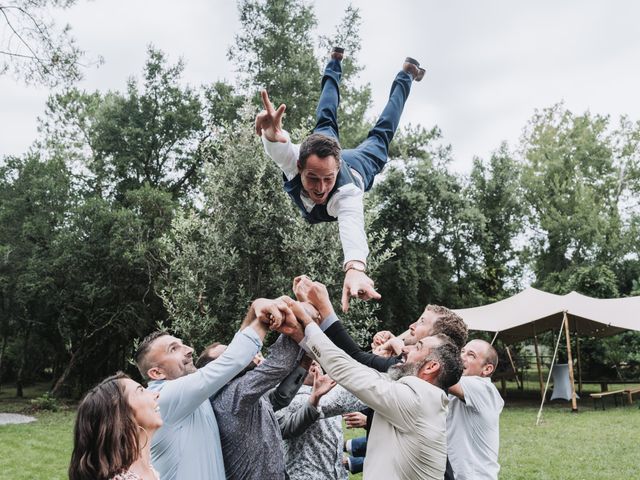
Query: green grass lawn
{"type": "Point", "coordinates": [589, 444]}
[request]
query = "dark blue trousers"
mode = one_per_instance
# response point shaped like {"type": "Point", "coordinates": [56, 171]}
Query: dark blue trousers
{"type": "Point", "coordinates": [370, 157]}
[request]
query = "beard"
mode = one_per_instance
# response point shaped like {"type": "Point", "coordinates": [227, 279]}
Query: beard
{"type": "Point", "coordinates": [400, 370]}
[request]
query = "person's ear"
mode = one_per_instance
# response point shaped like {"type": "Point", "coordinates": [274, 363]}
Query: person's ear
{"type": "Point", "coordinates": [156, 373]}
{"type": "Point", "coordinates": [299, 165]}
{"type": "Point", "coordinates": [429, 371]}
{"type": "Point", "coordinates": [488, 369]}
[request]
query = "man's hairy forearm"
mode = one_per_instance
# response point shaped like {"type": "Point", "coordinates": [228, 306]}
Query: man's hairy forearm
{"type": "Point", "coordinates": [250, 317]}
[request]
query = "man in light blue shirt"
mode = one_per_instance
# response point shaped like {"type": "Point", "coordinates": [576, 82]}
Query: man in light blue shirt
{"type": "Point", "coordinates": [187, 446]}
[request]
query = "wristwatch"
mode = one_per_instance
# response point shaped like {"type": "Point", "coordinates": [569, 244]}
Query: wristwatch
{"type": "Point", "coordinates": [355, 265]}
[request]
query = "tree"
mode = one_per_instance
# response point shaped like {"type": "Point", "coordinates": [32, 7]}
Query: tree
{"type": "Point", "coordinates": [580, 179]}
{"type": "Point", "coordinates": [424, 209]}
{"type": "Point", "coordinates": [34, 48]}
{"type": "Point", "coordinates": [155, 136]}
{"type": "Point", "coordinates": [494, 189]}
{"type": "Point", "coordinates": [106, 262]}
{"type": "Point", "coordinates": [579, 176]}
{"type": "Point", "coordinates": [35, 197]}
{"type": "Point", "coordinates": [274, 51]}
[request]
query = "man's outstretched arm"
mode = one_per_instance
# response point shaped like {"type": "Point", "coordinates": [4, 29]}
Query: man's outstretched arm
{"type": "Point", "coordinates": [315, 292]}
{"type": "Point", "coordinates": [276, 140]}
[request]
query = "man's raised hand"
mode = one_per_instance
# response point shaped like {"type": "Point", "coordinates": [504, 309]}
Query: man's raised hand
{"type": "Point", "coordinates": [322, 384]}
{"type": "Point", "coordinates": [269, 121]}
{"type": "Point", "coordinates": [357, 284]}
{"type": "Point", "coordinates": [315, 293]}
{"type": "Point", "coordinates": [381, 337]}
{"type": "Point", "coordinates": [272, 312]}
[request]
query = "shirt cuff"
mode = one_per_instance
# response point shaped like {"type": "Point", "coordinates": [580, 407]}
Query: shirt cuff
{"type": "Point", "coordinates": [311, 330]}
{"type": "Point", "coordinates": [358, 255]}
{"type": "Point", "coordinates": [266, 141]}
{"type": "Point", "coordinates": [327, 322]}
{"type": "Point", "coordinates": [251, 334]}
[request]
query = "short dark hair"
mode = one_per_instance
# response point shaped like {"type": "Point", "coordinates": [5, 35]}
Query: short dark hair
{"type": "Point", "coordinates": [205, 357]}
{"type": "Point", "coordinates": [105, 436]}
{"type": "Point", "coordinates": [447, 354]}
{"type": "Point", "coordinates": [143, 349]}
{"type": "Point", "coordinates": [321, 145]}
{"type": "Point", "coordinates": [450, 324]}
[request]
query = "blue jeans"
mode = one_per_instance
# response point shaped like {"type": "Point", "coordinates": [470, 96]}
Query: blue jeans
{"type": "Point", "coordinates": [370, 157]}
{"type": "Point", "coordinates": [358, 452]}
{"type": "Point", "coordinates": [356, 464]}
{"type": "Point", "coordinates": [359, 447]}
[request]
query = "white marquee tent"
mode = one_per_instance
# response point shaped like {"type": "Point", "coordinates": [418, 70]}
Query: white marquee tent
{"type": "Point", "coordinates": [532, 311]}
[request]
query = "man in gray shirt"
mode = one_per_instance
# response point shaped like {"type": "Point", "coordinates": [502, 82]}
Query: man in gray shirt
{"type": "Point", "coordinates": [473, 422]}
{"type": "Point", "coordinates": [249, 431]}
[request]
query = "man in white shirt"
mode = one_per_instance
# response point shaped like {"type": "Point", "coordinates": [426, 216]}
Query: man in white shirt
{"type": "Point", "coordinates": [327, 183]}
{"type": "Point", "coordinates": [473, 422]}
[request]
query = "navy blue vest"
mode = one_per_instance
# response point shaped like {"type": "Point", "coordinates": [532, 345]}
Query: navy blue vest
{"type": "Point", "coordinates": [318, 213]}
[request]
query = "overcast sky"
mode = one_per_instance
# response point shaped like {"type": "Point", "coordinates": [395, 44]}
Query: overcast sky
{"type": "Point", "coordinates": [490, 64]}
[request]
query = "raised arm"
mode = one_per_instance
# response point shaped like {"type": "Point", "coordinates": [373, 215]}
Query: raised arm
{"type": "Point", "coordinates": [347, 206]}
{"type": "Point", "coordinates": [276, 141]}
{"type": "Point", "coordinates": [182, 396]}
{"type": "Point", "coordinates": [283, 394]}
{"type": "Point", "coordinates": [316, 293]}
{"type": "Point", "coordinates": [397, 401]}
{"type": "Point", "coordinates": [246, 390]}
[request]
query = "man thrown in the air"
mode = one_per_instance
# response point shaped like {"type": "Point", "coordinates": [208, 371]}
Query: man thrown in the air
{"type": "Point", "coordinates": [328, 183]}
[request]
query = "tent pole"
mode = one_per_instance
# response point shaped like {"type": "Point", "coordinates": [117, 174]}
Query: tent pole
{"type": "Point", "coordinates": [574, 405]}
{"type": "Point", "coordinates": [539, 365]}
{"type": "Point", "coordinates": [513, 366]}
{"type": "Point", "coordinates": [494, 337]}
{"type": "Point", "coordinates": [553, 361]}
{"type": "Point", "coordinates": [579, 364]}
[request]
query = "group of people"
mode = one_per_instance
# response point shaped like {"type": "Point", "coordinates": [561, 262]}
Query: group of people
{"type": "Point", "coordinates": [425, 396]}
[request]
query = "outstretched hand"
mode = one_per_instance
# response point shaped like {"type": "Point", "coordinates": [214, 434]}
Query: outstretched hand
{"type": "Point", "coordinates": [391, 347]}
{"type": "Point", "coordinates": [315, 293]}
{"type": "Point", "coordinates": [269, 121]}
{"type": "Point", "coordinates": [357, 284]}
{"type": "Point", "coordinates": [322, 384]}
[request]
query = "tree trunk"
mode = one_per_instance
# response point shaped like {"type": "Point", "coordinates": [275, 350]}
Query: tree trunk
{"type": "Point", "coordinates": [65, 374]}
{"type": "Point", "coordinates": [23, 362]}
{"type": "Point", "coordinates": [2, 350]}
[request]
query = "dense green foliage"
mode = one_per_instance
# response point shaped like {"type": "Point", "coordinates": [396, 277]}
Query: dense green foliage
{"type": "Point", "coordinates": [157, 205]}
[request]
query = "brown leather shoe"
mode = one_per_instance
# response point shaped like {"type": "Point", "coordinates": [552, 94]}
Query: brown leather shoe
{"type": "Point", "coordinates": [412, 67]}
{"type": "Point", "coordinates": [337, 53]}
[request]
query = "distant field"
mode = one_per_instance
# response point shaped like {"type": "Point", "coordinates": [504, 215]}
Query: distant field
{"type": "Point", "coordinates": [589, 444]}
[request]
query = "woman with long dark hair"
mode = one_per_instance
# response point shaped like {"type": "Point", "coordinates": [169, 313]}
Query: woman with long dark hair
{"type": "Point", "coordinates": [112, 435]}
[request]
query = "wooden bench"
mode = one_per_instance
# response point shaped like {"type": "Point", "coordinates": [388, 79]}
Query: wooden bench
{"type": "Point", "coordinates": [629, 392]}
{"type": "Point", "coordinates": [613, 393]}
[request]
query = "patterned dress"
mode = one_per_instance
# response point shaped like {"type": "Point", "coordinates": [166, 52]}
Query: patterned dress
{"type": "Point", "coordinates": [133, 476]}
